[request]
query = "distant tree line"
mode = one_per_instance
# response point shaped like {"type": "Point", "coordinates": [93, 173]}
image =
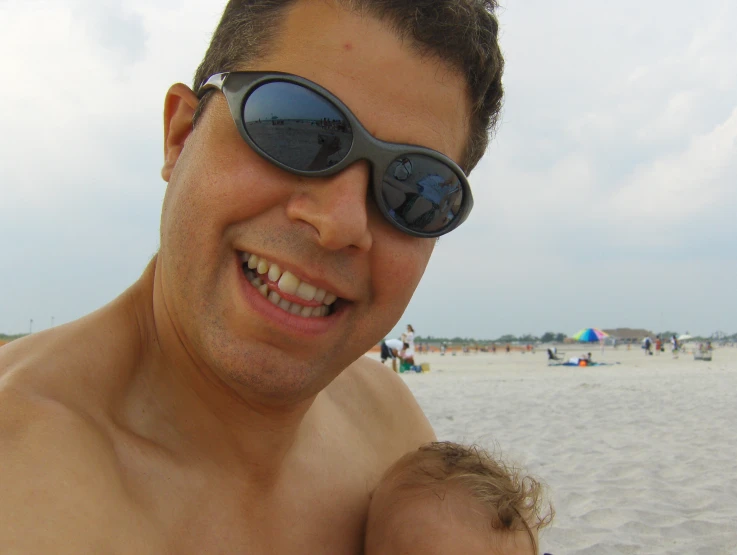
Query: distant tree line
{"type": "Point", "coordinates": [4, 337]}
{"type": "Point", "coordinates": [547, 337]}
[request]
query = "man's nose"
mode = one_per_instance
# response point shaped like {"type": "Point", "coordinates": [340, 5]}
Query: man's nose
{"type": "Point", "coordinates": [336, 207]}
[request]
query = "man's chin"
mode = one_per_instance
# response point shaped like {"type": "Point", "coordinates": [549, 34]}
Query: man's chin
{"type": "Point", "coordinates": [275, 378]}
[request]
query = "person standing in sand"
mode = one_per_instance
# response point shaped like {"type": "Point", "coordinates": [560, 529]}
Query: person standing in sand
{"type": "Point", "coordinates": [674, 344]}
{"type": "Point", "coordinates": [220, 404]}
{"type": "Point", "coordinates": [408, 337]}
{"type": "Point", "coordinates": [647, 344]}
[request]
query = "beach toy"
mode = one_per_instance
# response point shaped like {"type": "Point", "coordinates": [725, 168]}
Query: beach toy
{"type": "Point", "coordinates": [582, 363]}
{"type": "Point", "coordinates": [405, 366]}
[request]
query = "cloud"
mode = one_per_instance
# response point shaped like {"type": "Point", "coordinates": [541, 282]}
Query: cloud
{"type": "Point", "coordinates": [623, 130]}
{"type": "Point", "coordinates": [81, 146]}
{"type": "Point", "coordinates": [682, 186]}
{"type": "Point", "coordinates": [114, 27]}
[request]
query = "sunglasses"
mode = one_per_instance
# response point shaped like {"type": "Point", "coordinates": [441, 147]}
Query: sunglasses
{"type": "Point", "coordinates": [304, 129]}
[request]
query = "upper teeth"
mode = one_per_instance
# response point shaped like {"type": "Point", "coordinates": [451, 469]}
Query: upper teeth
{"type": "Point", "coordinates": [286, 281]}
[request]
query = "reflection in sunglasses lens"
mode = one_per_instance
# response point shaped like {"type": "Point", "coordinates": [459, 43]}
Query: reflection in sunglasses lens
{"type": "Point", "coordinates": [296, 126]}
{"type": "Point", "coordinates": [421, 193]}
{"type": "Point", "coordinates": [403, 169]}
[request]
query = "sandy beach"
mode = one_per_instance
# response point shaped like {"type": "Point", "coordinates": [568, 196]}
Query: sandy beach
{"type": "Point", "coordinates": [640, 457]}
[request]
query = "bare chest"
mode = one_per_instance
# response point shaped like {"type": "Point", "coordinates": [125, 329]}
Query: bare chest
{"type": "Point", "coordinates": [309, 519]}
{"type": "Point", "coordinates": [319, 508]}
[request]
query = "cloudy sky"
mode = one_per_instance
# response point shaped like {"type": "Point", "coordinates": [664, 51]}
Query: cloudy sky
{"type": "Point", "coordinates": [608, 197]}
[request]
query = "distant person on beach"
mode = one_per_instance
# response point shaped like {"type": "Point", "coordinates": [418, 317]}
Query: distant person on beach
{"type": "Point", "coordinates": [447, 498]}
{"type": "Point", "coordinates": [390, 348]}
{"type": "Point", "coordinates": [583, 360]}
{"type": "Point", "coordinates": [409, 338]}
{"type": "Point", "coordinates": [222, 403]}
{"type": "Point", "coordinates": [406, 354]}
{"type": "Point", "coordinates": [647, 344]}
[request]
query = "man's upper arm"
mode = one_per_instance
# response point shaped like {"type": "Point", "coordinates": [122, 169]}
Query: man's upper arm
{"type": "Point", "coordinates": [55, 479]}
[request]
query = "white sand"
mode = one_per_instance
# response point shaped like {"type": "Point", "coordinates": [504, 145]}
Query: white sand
{"type": "Point", "coordinates": [640, 457]}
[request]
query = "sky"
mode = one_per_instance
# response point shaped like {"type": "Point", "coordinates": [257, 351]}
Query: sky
{"type": "Point", "coordinates": [608, 197]}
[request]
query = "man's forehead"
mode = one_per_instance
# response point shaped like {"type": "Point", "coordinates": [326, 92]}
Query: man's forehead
{"type": "Point", "coordinates": [399, 95]}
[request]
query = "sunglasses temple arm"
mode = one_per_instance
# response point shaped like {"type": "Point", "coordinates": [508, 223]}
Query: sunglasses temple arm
{"type": "Point", "coordinates": [213, 82]}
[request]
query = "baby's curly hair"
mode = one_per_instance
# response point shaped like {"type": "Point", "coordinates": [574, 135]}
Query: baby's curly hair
{"type": "Point", "coordinates": [515, 502]}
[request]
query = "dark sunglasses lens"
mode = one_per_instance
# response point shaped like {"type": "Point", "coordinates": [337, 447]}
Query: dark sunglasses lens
{"type": "Point", "coordinates": [297, 126]}
{"type": "Point", "coordinates": [422, 194]}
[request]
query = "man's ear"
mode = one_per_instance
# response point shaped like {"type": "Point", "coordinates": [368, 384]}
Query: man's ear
{"type": "Point", "coordinates": [179, 108]}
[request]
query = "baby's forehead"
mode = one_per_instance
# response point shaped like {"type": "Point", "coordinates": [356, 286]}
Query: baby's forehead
{"type": "Point", "coordinates": [443, 520]}
{"type": "Point", "coordinates": [413, 473]}
{"type": "Point", "coordinates": [400, 495]}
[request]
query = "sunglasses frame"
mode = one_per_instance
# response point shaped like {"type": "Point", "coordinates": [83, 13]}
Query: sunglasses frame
{"type": "Point", "coordinates": [237, 86]}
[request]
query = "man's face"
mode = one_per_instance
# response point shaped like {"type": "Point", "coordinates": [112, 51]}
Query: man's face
{"type": "Point", "coordinates": [224, 200]}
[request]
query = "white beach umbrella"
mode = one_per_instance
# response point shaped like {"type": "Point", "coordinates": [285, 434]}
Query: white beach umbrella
{"type": "Point", "coordinates": [685, 337]}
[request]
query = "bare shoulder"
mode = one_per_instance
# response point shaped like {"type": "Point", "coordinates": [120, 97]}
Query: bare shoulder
{"type": "Point", "coordinates": [58, 477]}
{"type": "Point", "coordinates": [382, 405]}
{"type": "Point", "coordinates": [63, 485]}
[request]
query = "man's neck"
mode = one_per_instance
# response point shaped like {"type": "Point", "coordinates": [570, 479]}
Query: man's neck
{"type": "Point", "coordinates": [179, 402]}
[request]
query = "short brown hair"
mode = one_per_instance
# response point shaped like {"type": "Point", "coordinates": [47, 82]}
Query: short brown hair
{"type": "Point", "coordinates": [462, 33]}
{"type": "Point", "coordinates": [515, 502]}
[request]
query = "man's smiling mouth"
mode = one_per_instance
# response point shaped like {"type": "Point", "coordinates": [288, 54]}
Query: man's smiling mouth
{"type": "Point", "coordinates": [286, 290]}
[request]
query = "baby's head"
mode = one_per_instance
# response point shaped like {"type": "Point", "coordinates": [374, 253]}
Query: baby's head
{"type": "Point", "coordinates": [447, 498]}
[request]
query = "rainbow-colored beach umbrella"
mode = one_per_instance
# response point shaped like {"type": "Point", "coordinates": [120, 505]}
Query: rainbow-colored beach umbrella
{"type": "Point", "coordinates": [589, 335]}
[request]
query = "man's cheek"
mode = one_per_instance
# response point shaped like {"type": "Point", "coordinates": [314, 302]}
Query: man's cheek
{"type": "Point", "coordinates": [408, 278]}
